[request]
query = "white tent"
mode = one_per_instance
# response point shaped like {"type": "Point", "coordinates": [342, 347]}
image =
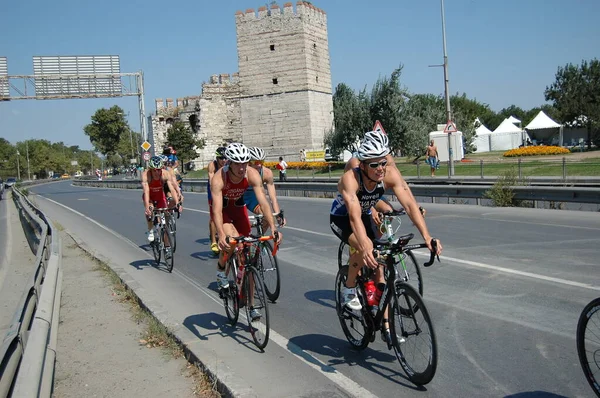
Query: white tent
{"type": "Point", "coordinates": [506, 136]}
{"type": "Point", "coordinates": [545, 128]}
{"type": "Point", "coordinates": [440, 139]}
{"type": "Point", "coordinates": [482, 139]}
{"type": "Point", "coordinates": [514, 120]}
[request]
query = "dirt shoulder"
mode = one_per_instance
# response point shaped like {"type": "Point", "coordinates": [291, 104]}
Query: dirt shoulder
{"type": "Point", "coordinates": [104, 348]}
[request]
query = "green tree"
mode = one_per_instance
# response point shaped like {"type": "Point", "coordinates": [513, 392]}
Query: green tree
{"type": "Point", "coordinates": [351, 119]}
{"type": "Point", "coordinates": [387, 100]}
{"type": "Point", "coordinates": [184, 142]}
{"type": "Point", "coordinates": [420, 116]}
{"type": "Point", "coordinates": [465, 111]}
{"type": "Point", "coordinates": [576, 95]}
{"type": "Point", "coordinates": [107, 128]}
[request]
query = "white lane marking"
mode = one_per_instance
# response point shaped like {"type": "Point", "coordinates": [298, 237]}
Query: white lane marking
{"type": "Point", "coordinates": [83, 199]}
{"type": "Point", "coordinates": [517, 272]}
{"type": "Point", "coordinates": [331, 373]}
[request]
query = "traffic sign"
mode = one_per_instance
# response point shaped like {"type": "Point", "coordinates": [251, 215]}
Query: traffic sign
{"type": "Point", "coordinates": [378, 127]}
{"type": "Point", "coordinates": [146, 146]}
{"type": "Point", "coordinates": [146, 156]}
{"type": "Point", "coordinates": [450, 128]}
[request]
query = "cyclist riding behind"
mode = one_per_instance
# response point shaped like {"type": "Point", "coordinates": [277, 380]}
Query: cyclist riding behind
{"type": "Point", "coordinates": [229, 210]}
{"type": "Point", "coordinates": [213, 167]}
{"type": "Point", "coordinates": [174, 199]}
{"type": "Point", "coordinates": [153, 181]}
{"type": "Point", "coordinates": [383, 205]}
{"type": "Point", "coordinates": [257, 158]}
{"type": "Point", "coordinates": [359, 190]}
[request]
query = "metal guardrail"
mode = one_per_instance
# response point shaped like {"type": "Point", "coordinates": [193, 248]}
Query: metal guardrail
{"type": "Point", "coordinates": [328, 189]}
{"type": "Point", "coordinates": [28, 351]}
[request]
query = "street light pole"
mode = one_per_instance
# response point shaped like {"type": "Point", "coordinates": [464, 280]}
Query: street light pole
{"type": "Point", "coordinates": [447, 95]}
{"type": "Point", "coordinates": [28, 170]}
{"type": "Point", "coordinates": [18, 166]}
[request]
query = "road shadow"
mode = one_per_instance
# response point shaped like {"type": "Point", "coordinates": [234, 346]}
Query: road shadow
{"type": "Point", "coordinates": [325, 298]}
{"type": "Point", "coordinates": [205, 255]}
{"type": "Point", "coordinates": [211, 324]}
{"type": "Point", "coordinates": [535, 394]}
{"type": "Point", "coordinates": [203, 241]}
{"type": "Point", "coordinates": [383, 363]}
{"type": "Point", "coordinates": [140, 265]}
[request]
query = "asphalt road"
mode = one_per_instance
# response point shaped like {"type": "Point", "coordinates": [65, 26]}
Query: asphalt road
{"type": "Point", "coordinates": [504, 300]}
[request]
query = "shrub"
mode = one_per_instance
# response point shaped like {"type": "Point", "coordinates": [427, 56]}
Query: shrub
{"type": "Point", "coordinates": [501, 192]}
{"type": "Point", "coordinates": [536, 151]}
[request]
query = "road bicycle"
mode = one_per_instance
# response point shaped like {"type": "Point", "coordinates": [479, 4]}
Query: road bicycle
{"type": "Point", "coordinates": [268, 266]}
{"type": "Point", "coordinates": [246, 287]}
{"type": "Point", "coordinates": [588, 343]}
{"type": "Point", "coordinates": [162, 235]}
{"type": "Point", "coordinates": [406, 262]}
{"type": "Point", "coordinates": [411, 333]}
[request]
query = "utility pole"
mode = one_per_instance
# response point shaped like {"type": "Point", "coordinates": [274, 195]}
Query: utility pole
{"type": "Point", "coordinates": [18, 166]}
{"type": "Point", "coordinates": [28, 170]}
{"type": "Point", "coordinates": [447, 95]}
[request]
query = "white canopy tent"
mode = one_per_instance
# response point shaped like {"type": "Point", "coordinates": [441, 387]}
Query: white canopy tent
{"type": "Point", "coordinates": [482, 139]}
{"type": "Point", "coordinates": [545, 127]}
{"type": "Point", "coordinates": [506, 136]}
{"type": "Point", "coordinates": [514, 120]}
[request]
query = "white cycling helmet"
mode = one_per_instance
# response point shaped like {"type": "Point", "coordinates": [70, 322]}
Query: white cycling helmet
{"type": "Point", "coordinates": [237, 153]}
{"type": "Point", "coordinates": [257, 153]}
{"type": "Point", "coordinates": [378, 136]}
{"type": "Point", "coordinates": [372, 149]}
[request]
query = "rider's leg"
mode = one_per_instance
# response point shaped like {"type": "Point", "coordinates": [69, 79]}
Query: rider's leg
{"type": "Point", "coordinates": [222, 272]}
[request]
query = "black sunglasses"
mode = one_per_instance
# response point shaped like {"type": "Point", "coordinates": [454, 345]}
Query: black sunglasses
{"type": "Point", "coordinates": [220, 157]}
{"type": "Point", "coordinates": [375, 165]}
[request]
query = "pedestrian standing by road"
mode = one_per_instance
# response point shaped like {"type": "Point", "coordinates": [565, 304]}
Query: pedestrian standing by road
{"type": "Point", "coordinates": [282, 167]}
{"type": "Point", "coordinates": [431, 157]}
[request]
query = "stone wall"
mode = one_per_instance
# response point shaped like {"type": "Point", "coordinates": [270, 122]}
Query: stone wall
{"type": "Point", "coordinates": [281, 98]}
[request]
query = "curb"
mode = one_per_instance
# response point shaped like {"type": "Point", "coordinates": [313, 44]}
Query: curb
{"type": "Point", "coordinates": [217, 371]}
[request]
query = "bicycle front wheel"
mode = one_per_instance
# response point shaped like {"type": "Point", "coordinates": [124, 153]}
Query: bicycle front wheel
{"type": "Point", "coordinates": [412, 335]}
{"type": "Point", "coordinates": [173, 232]}
{"type": "Point", "coordinates": [588, 343]}
{"type": "Point", "coordinates": [156, 246]}
{"type": "Point", "coordinates": [169, 260]}
{"type": "Point", "coordinates": [257, 310]}
{"type": "Point", "coordinates": [230, 294]}
{"type": "Point", "coordinates": [343, 254]}
{"type": "Point", "coordinates": [354, 325]}
{"type": "Point", "coordinates": [269, 270]}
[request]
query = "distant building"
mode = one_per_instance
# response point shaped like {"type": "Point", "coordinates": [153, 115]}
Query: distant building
{"type": "Point", "coordinates": [281, 98]}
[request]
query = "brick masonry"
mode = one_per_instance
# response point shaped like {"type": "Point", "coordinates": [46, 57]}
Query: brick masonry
{"type": "Point", "coordinates": [281, 98]}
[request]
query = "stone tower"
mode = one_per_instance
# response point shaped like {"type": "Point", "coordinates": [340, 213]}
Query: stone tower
{"type": "Point", "coordinates": [284, 78]}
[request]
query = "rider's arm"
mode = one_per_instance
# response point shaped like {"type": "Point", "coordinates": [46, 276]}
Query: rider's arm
{"type": "Point", "coordinates": [145, 189]}
{"type": "Point", "coordinates": [351, 164]}
{"type": "Point", "coordinates": [407, 200]}
{"type": "Point", "coordinates": [168, 179]}
{"type": "Point", "coordinates": [216, 188]}
{"type": "Point", "coordinates": [211, 171]}
{"type": "Point", "coordinates": [268, 179]}
{"type": "Point", "coordinates": [348, 186]}
{"type": "Point", "coordinates": [255, 181]}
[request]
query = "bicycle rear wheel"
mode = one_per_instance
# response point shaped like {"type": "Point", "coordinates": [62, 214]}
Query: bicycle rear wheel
{"type": "Point", "coordinates": [343, 254]}
{"type": "Point", "coordinates": [588, 343]}
{"type": "Point", "coordinates": [413, 336]}
{"type": "Point", "coordinates": [355, 327]}
{"type": "Point", "coordinates": [269, 271]}
{"type": "Point", "coordinates": [259, 325]}
{"type": "Point", "coordinates": [230, 294]}
{"type": "Point", "coordinates": [169, 261]}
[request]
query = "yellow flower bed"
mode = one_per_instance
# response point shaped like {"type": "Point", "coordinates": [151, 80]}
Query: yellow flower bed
{"type": "Point", "coordinates": [536, 151]}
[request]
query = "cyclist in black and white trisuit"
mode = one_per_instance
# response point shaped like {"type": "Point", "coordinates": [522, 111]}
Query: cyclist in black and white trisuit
{"type": "Point", "coordinates": [359, 190]}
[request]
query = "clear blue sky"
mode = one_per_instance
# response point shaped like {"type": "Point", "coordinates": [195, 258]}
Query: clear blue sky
{"type": "Point", "coordinates": [500, 52]}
